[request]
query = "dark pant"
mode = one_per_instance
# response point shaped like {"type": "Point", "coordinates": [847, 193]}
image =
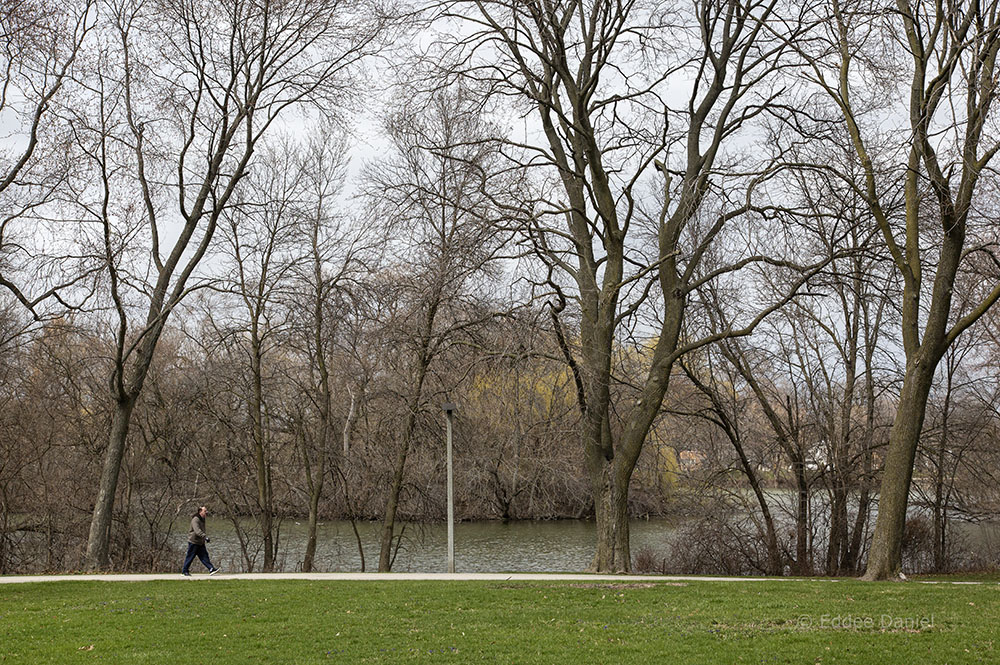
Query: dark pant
{"type": "Point", "coordinates": [201, 552]}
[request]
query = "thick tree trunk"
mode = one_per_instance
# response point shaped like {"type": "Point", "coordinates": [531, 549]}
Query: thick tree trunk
{"type": "Point", "coordinates": [98, 556]}
{"type": "Point", "coordinates": [885, 559]}
{"type": "Point", "coordinates": [610, 466]}
{"type": "Point", "coordinates": [599, 447]}
{"type": "Point", "coordinates": [611, 514]}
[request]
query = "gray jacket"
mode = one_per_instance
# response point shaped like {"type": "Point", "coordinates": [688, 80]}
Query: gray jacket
{"type": "Point", "coordinates": [197, 533]}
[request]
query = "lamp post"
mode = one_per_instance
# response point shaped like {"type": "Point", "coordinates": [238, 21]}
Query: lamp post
{"type": "Point", "coordinates": [449, 409]}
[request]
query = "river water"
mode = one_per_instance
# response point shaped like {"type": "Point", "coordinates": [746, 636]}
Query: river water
{"type": "Point", "coordinates": [480, 547]}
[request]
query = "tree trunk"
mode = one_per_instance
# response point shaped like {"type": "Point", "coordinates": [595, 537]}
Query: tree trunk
{"type": "Point", "coordinates": [852, 558]}
{"type": "Point", "coordinates": [314, 495]}
{"type": "Point", "coordinates": [885, 560]}
{"type": "Point", "coordinates": [315, 481]}
{"type": "Point", "coordinates": [774, 563]}
{"type": "Point", "coordinates": [852, 555]}
{"type": "Point", "coordinates": [802, 564]}
{"type": "Point", "coordinates": [838, 522]}
{"type": "Point", "coordinates": [260, 452]}
{"type": "Point", "coordinates": [391, 506]}
{"type": "Point", "coordinates": [610, 466]}
{"type": "Point", "coordinates": [840, 473]}
{"type": "Point", "coordinates": [940, 495]}
{"type": "Point", "coordinates": [395, 488]}
{"type": "Point", "coordinates": [939, 533]}
{"type": "Point", "coordinates": [98, 556]}
{"type": "Point", "coordinates": [611, 514]}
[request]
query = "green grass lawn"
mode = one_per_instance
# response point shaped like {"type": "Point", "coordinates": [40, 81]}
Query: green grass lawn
{"type": "Point", "coordinates": [242, 621]}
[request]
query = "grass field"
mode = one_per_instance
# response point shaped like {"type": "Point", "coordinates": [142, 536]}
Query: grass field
{"type": "Point", "coordinates": [241, 621]}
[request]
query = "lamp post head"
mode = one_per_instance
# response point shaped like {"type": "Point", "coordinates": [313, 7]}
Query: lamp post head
{"type": "Point", "coordinates": [448, 406]}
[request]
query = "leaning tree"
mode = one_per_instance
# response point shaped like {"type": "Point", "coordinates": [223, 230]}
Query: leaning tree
{"type": "Point", "coordinates": [912, 87]}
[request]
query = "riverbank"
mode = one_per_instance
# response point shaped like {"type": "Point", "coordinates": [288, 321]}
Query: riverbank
{"type": "Point", "coordinates": [637, 620]}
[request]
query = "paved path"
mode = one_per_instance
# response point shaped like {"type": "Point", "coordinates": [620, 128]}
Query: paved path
{"type": "Point", "coordinates": [333, 577]}
{"type": "Point", "coordinates": [441, 577]}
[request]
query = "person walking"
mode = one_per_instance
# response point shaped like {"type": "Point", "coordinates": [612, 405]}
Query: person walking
{"type": "Point", "coordinates": [197, 539]}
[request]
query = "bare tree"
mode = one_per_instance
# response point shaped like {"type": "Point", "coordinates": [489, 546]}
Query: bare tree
{"type": "Point", "coordinates": [184, 94]}
{"type": "Point", "coordinates": [337, 254]}
{"type": "Point", "coordinates": [440, 191]}
{"type": "Point", "coordinates": [840, 344]}
{"type": "Point", "coordinates": [599, 79]}
{"type": "Point", "coordinates": [943, 59]}
{"type": "Point", "coordinates": [261, 236]}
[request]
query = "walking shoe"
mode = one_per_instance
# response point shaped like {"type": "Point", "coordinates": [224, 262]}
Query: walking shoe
{"type": "Point", "coordinates": [214, 571]}
{"type": "Point", "coordinates": [186, 574]}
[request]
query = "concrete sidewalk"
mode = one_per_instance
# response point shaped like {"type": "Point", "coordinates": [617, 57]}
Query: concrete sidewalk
{"type": "Point", "coordinates": [440, 577]}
